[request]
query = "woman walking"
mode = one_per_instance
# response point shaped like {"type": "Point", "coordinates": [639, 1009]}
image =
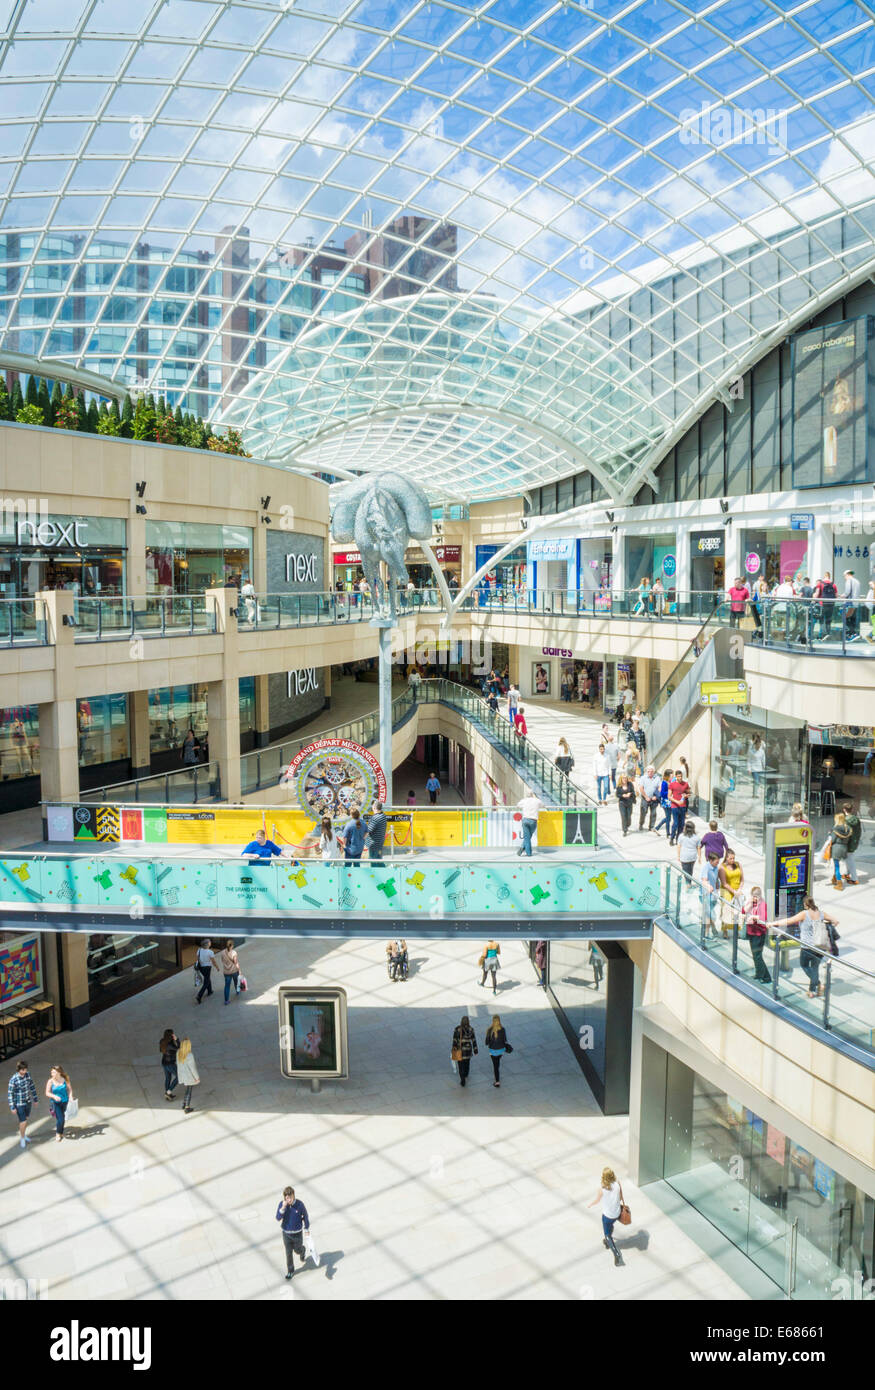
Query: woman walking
{"type": "Point", "coordinates": [610, 1195]}
{"type": "Point", "coordinates": [463, 1047]}
{"type": "Point", "coordinates": [731, 876]}
{"type": "Point", "coordinates": [838, 840]}
{"type": "Point", "coordinates": [59, 1093]}
{"type": "Point", "coordinates": [169, 1047]}
{"type": "Point", "coordinates": [665, 804]}
{"type": "Point", "coordinates": [626, 800]}
{"type": "Point", "coordinates": [489, 962]}
{"type": "Point", "coordinates": [814, 936]}
{"type": "Point", "coordinates": [688, 850]}
{"type": "Point", "coordinates": [755, 915]}
{"type": "Point", "coordinates": [563, 758]}
{"type": "Point", "coordinates": [230, 969]}
{"type": "Point", "coordinates": [188, 1073]}
{"type": "Point", "coordinates": [496, 1041]}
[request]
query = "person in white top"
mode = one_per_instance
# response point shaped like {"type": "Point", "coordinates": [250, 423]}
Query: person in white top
{"type": "Point", "coordinates": [530, 805]}
{"type": "Point", "coordinates": [851, 608]}
{"type": "Point", "coordinates": [610, 1195]}
{"type": "Point", "coordinates": [612, 753]}
{"type": "Point", "coordinates": [601, 771]}
{"type": "Point", "coordinates": [513, 699]}
{"type": "Point", "coordinates": [330, 843]}
{"type": "Point", "coordinates": [248, 595]}
{"type": "Point", "coordinates": [205, 962]}
{"type": "Point", "coordinates": [756, 760]}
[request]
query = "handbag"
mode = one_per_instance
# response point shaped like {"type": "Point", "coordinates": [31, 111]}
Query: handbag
{"type": "Point", "coordinates": [826, 856]}
{"type": "Point", "coordinates": [456, 1054]}
{"type": "Point", "coordinates": [243, 985]}
{"type": "Point", "coordinates": [625, 1217]}
{"type": "Point", "coordinates": [72, 1108]}
{"type": "Point", "coordinates": [508, 1049]}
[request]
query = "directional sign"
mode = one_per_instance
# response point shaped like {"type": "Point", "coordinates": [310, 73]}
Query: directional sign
{"type": "Point", "coordinates": [724, 693]}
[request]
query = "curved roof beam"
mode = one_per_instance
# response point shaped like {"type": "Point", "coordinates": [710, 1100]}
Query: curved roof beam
{"type": "Point", "coordinates": [60, 371]}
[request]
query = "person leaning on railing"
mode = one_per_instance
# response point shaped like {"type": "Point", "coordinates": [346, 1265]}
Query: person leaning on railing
{"type": "Point", "coordinates": [816, 934]}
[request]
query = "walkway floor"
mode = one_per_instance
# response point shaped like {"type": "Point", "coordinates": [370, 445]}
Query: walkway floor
{"type": "Point", "coordinates": [416, 1188]}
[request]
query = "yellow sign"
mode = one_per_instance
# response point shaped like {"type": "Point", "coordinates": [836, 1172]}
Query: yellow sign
{"type": "Point", "coordinates": [724, 693]}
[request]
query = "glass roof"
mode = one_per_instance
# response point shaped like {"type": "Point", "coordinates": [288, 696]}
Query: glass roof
{"type": "Point", "coordinates": [488, 245]}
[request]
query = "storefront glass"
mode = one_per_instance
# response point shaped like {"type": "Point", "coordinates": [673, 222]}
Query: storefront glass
{"type": "Point", "coordinates": [121, 965]}
{"type": "Point", "coordinates": [619, 677]}
{"type": "Point", "coordinates": [854, 550]}
{"type": "Point", "coordinates": [576, 976]}
{"type": "Point", "coordinates": [246, 689]}
{"type": "Point", "coordinates": [101, 731]}
{"type": "Point", "coordinates": [775, 555]}
{"type": "Point", "coordinates": [83, 554]}
{"type": "Point", "coordinates": [708, 561]}
{"type": "Point", "coordinates": [185, 557]}
{"type": "Point", "coordinates": [573, 675]}
{"type": "Point", "coordinates": [596, 564]}
{"type": "Point", "coordinates": [173, 710]}
{"type": "Point", "coordinates": [808, 1228]}
{"type": "Point", "coordinates": [759, 770]}
{"type": "Point", "coordinates": [651, 557]}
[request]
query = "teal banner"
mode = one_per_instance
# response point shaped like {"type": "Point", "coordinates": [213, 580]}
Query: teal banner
{"type": "Point", "coordinates": [411, 887]}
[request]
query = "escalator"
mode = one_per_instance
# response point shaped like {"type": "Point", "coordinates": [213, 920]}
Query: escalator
{"type": "Point", "coordinates": [715, 653]}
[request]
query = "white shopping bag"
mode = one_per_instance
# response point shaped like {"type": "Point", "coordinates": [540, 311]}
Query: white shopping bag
{"type": "Point", "coordinates": [310, 1248]}
{"type": "Point", "coordinates": [72, 1108]}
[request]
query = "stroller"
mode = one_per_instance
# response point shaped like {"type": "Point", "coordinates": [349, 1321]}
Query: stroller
{"type": "Point", "coordinates": [396, 960]}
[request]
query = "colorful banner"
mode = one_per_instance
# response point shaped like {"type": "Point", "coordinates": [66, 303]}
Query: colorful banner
{"type": "Point", "coordinates": [413, 886]}
{"type": "Point", "coordinates": [20, 972]}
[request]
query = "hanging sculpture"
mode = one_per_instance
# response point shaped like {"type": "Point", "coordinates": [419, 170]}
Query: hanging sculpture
{"type": "Point", "coordinates": [380, 513]}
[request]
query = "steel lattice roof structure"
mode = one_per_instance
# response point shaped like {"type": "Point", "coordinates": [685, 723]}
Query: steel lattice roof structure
{"type": "Point", "coordinates": [486, 244]}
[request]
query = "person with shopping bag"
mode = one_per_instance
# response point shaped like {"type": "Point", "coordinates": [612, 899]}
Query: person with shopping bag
{"type": "Point", "coordinates": [489, 963]}
{"type": "Point", "coordinates": [187, 1072]}
{"type": "Point", "coordinates": [230, 967]}
{"type": "Point", "coordinates": [614, 1209]}
{"type": "Point", "coordinates": [498, 1045]}
{"type": "Point", "coordinates": [59, 1093]}
{"type": "Point", "coordinates": [292, 1216]}
{"type": "Point", "coordinates": [464, 1046]}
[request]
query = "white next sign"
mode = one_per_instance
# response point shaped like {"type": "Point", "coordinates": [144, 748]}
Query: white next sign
{"type": "Point", "coordinates": [299, 682]}
{"type": "Point", "coordinates": [301, 568]}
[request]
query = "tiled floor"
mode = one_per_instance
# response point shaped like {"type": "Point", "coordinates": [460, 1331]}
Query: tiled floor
{"type": "Point", "coordinates": [415, 1187]}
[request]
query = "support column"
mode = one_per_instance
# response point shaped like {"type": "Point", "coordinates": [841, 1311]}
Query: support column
{"type": "Point", "coordinates": [326, 685]}
{"type": "Point", "coordinates": [75, 1010]}
{"type": "Point", "coordinates": [141, 756]}
{"type": "Point", "coordinates": [58, 734]}
{"type": "Point", "coordinates": [262, 711]}
{"type": "Point", "coordinates": [223, 698]}
{"type": "Point", "coordinates": [820, 547]}
{"type": "Point", "coordinates": [618, 561]}
{"type": "Point", "coordinates": [733, 553]}
{"type": "Point", "coordinates": [385, 675]}
{"type": "Point", "coordinates": [683, 572]}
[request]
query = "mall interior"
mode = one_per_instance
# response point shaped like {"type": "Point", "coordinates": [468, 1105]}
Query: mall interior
{"type": "Point", "coordinates": [627, 351]}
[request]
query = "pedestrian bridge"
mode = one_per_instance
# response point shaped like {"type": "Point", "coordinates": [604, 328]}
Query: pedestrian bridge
{"type": "Point", "coordinates": [548, 896]}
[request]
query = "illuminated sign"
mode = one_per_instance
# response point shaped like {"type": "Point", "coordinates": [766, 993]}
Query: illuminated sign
{"type": "Point", "coordinates": [49, 533]}
{"type": "Point", "coordinates": [301, 568]}
{"type": "Point", "coordinates": [313, 1033]}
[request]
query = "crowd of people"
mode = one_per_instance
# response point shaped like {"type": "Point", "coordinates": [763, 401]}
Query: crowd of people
{"type": "Point", "coordinates": [807, 612]}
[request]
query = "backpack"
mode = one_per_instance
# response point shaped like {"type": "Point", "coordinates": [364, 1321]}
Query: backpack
{"type": "Point", "coordinates": [828, 591]}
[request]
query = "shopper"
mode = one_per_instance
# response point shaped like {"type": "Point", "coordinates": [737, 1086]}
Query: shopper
{"type": "Point", "coordinates": [678, 800]}
{"type": "Point", "coordinates": [814, 936]}
{"type": "Point", "coordinates": [22, 1095]}
{"type": "Point", "coordinates": [626, 801]}
{"type": "Point", "coordinates": [260, 850]}
{"type": "Point", "coordinates": [710, 892]}
{"type": "Point", "coordinates": [205, 962]}
{"type": "Point", "coordinates": [851, 607]}
{"type": "Point", "coordinates": [638, 736]}
{"type": "Point", "coordinates": [496, 1042]}
{"type": "Point", "coordinates": [521, 728]}
{"type": "Point", "coordinates": [229, 965]}
{"type": "Point", "coordinates": [601, 771]}
{"type": "Point", "coordinates": [657, 593]}
{"type": "Point", "coordinates": [688, 850]}
{"type": "Point", "coordinates": [292, 1214]}
{"type": "Point", "coordinates": [854, 825]}
{"type": "Point", "coordinates": [433, 787]}
{"type": "Point", "coordinates": [649, 787]}
{"type": "Point", "coordinates": [731, 877]}
{"type": "Point", "coordinates": [713, 841]}
{"type": "Point", "coordinates": [756, 761]}
{"type": "Point", "coordinates": [353, 837]}
{"type": "Point", "coordinates": [187, 1072]}
{"type": "Point", "coordinates": [738, 597]}
{"type": "Point", "coordinates": [329, 844]}
{"type": "Point", "coordinates": [755, 918]}
{"type": "Point", "coordinates": [376, 826]}
{"type": "Point", "coordinates": [541, 962]}
{"type": "Point", "coordinates": [826, 591]}
{"type": "Point", "coordinates": [489, 962]}
{"type": "Point", "coordinates": [665, 804]}
{"type": "Point", "coordinates": [411, 797]}
{"type": "Point", "coordinates": [59, 1093]}
{"type": "Point", "coordinates": [414, 681]}
{"type": "Point", "coordinates": [169, 1047]}
{"type": "Point", "coordinates": [513, 699]}
{"type": "Point", "coordinates": [610, 1196]}
{"type": "Point", "coordinates": [839, 839]}
{"type": "Point", "coordinates": [464, 1046]}
{"type": "Point", "coordinates": [563, 758]}
{"type": "Point", "coordinates": [189, 752]}
{"type": "Point", "coordinates": [530, 805]}
{"type": "Point", "coordinates": [612, 753]}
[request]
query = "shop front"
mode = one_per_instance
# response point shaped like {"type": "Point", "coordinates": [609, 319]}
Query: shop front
{"type": "Point", "coordinates": [855, 551]}
{"type": "Point", "coordinates": [507, 578]}
{"type": "Point", "coordinates": [708, 562]}
{"type": "Point", "coordinates": [347, 567]}
{"type": "Point", "coordinates": [28, 1008]}
{"type": "Point", "coordinates": [620, 676]}
{"type": "Point", "coordinates": [759, 771]}
{"type": "Point", "coordinates": [775, 555]}
{"type": "Point", "coordinates": [449, 558]}
{"type": "Point", "coordinates": [188, 557]}
{"type": "Point", "coordinates": [86, 555]}
{"type": "Point", "coordinates": [553, 568]}
{"type": "Point", "coordinates": [651, 558]}
{"type": "Point", "coordinates": [123, 964]}
{"type": "Point", "coordinates": [596, 568]}
{"type": "Point", "coordinates": [103, 745]}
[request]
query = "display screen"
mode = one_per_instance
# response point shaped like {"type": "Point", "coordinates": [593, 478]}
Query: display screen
{"type": "Point", "coordinates": [791, 877]}
{"type": "Point", "coordinates": [314, 1036]}
{"type": "Point", "coordinates": [830, 427]}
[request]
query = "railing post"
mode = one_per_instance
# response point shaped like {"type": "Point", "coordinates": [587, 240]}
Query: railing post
{"type": "Point", "coordinates": [163, 619]}
{"type": "Point", "coordinates": [826, 992]}
{"type": "Point", "coordinates": [734, 943]}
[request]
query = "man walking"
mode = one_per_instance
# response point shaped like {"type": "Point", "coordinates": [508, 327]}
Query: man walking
{"type": "Point", "coordinates": [649, 786]}
{"type": "Point", "coordinates": [433, 787]}
{"type": "Point", "coordinates": [678, 800]}
{"type": "Point", "coordinates": [530, 806]}
{"type": "Point", "coordinates": [22, 1095]}
{"type": "Point", "coordinates": [414, 681]}
{"type": "Point", "coordinates": [376, 826]}
{"type": "Point", "coordinates": [513, 699]}
{"type": "Point", "coordinates": [851, 608]}
{"type": "Point", "coordinates": [294, 1220]}
{"type": "Point", "coordinates": [205, 962]}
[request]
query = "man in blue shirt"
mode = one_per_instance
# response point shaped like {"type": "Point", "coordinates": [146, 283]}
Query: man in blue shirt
{"type": "Point", "coordinates": [353, 834]}
{"type": "Point", "coordinates": [295, 1222]}
{"type": "Point", "coordinates": [260, 850]}
{"type": "Point", "coordinates": [22, 1095]}
{"type": "Point", "coordinates": [433, 787]}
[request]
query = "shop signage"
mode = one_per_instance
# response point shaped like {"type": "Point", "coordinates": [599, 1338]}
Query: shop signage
{"type": "Point", "coordinates": [299, 682]}
{"type": "Point", "coordinates": [669, 565]}
{"type": "Point", "coordinates": [301, 568]}
{"type": "Point", "coordinates": [50, 533]}
{"type": "Point", "coordinates": [347, 557]}
{"type": "Point", "coordinates": [450, 554]}
{"type": "Point", "coordinates": [624, 667]}
{"type": "Point", "coordinates": [558, 549]}
{"type": "Point", "coordinates": [724, 693]}
{"type": "Point", "coordinates": [710, 545]}
{"type": "Point", "coordinates": [555, 651]}
{"type": "Point", "coordinates": [752, 562]}
{"type": "Point", "coordinates": [801, 521]}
